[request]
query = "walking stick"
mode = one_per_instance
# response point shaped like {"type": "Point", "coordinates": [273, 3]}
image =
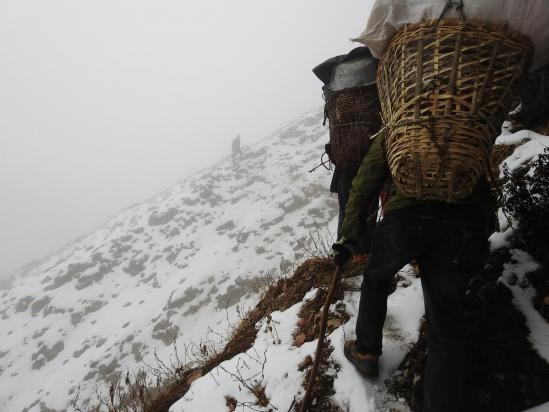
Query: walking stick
{"type": "Point", "coordinates": [323, 323]}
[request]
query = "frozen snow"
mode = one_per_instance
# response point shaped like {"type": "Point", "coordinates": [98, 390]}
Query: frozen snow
{"type": "Point", "coordinates": [521, 264]}
{"type": "Point", "coordinates": [160, 270]}
{"type": "Point", "coordinates": [168, 267]}
{"type": "Point", "coordinates": [540, 408]}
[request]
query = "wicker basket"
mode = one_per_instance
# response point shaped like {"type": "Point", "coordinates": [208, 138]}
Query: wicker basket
{"type": "Point", "coordinates": [354, 116]}
{"type": "Point", "coordinates": [445, 88]}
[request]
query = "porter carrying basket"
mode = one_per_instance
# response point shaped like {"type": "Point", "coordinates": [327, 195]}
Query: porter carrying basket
{"type": "Point", "coordinates": [445, 87]}
{"type": "Point", "coordinates": [354, 116]}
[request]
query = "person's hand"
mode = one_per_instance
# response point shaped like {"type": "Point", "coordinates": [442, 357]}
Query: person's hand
{"type": "Point", "coordinates": [342, 252]}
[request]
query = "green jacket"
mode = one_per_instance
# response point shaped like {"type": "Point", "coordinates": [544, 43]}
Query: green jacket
{"type": "Point", "coordinates": [373, 173]}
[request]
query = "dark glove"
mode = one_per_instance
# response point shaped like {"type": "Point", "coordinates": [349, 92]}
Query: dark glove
{"type": "Point", "coordinates": [342, 252]}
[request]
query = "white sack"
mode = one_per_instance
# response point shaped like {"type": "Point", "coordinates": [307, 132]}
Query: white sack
{"type": "Point", "coordinates": [529, 17]}
{"type": "Point", "coordinates": [353, 73]}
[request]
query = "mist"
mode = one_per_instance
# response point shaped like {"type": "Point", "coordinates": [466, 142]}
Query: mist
{"type": "Point", "coordinates": [106, 103]}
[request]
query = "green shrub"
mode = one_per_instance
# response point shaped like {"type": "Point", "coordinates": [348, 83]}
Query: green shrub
{"type": "Point", "coordinates": [526, 201]}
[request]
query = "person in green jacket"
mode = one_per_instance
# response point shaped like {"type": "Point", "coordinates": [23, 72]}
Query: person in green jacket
{"type": "Point", "coordinates": [447, 240]}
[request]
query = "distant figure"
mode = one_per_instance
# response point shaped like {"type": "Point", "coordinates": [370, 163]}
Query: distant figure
{"type": "Point", "coordinates": [236, 148]}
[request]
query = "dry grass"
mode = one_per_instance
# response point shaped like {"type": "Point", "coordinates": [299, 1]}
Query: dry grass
{"type": "Point", "coordinates": [317, 244]}
{"type": "Point", "coordinates": [278, 295]}
{"type": "Point", "coordinates": [159, 386]}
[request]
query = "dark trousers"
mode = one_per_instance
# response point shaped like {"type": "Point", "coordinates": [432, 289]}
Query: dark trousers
{"type": "Point", "coordinates": [446, 240]}
{"type": "Point", "coordinates": [342, 184]}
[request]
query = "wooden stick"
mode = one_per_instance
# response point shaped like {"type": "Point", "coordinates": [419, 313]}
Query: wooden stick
{"type": "Point", "coordinates": [318, 354]}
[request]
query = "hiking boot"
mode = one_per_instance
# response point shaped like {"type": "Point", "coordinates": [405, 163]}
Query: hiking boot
{"type": "Point", "coordinates": [366, 363]}
{"type": "Point", "coordinates": [360, 259]}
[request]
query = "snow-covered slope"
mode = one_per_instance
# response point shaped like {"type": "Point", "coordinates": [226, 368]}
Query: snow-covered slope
{"type": "Point", "coordinates": [180, 264]}
{"type": "Point", "coordinates": [275, 364]}
{"type": "Point", "coordinates": [162, 270]}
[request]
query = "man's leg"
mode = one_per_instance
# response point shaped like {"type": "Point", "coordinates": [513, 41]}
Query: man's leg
{"type": "Point", "coordinates": [367, 231]}
{"type": "Point", "coordinates": [342, 201]}
{"type": "Point", "coordinates": [444, 375]}
{"type": "Point", "coordinates": [444, 272]}
{"type": "Point", "coordinates": [394, 244]}
{"type": "Point", "coordinates": [343, 184]}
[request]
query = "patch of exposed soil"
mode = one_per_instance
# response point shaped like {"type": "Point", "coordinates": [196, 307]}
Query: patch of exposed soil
{"type": "Point", "coordinates": [323, 391]}
{"type": "Point", "coordinates": [308, 329]}
{"type": "Point", "coordinates": [309, 317]}
{"type": "Point", "coordinates": [505, 374]}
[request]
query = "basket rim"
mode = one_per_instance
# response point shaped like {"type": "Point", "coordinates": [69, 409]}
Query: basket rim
{"type": "Point", "coordinates": [471, 25]}
{"type": "Point", "coordinates": [432, 30]}
{"type": "Point", "coordinates": [331, 92]}
{"type": "Point", "coordinates": [467, 24]}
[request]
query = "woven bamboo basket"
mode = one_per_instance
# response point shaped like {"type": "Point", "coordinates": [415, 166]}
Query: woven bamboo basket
{"type": "Point", "coordinates": [354, 116]}
{"type": "Point", "coordinates": [445, 88]}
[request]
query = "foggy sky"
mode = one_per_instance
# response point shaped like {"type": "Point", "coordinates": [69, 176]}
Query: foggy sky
{"type": "Point", "coordinates": [104, 103]}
